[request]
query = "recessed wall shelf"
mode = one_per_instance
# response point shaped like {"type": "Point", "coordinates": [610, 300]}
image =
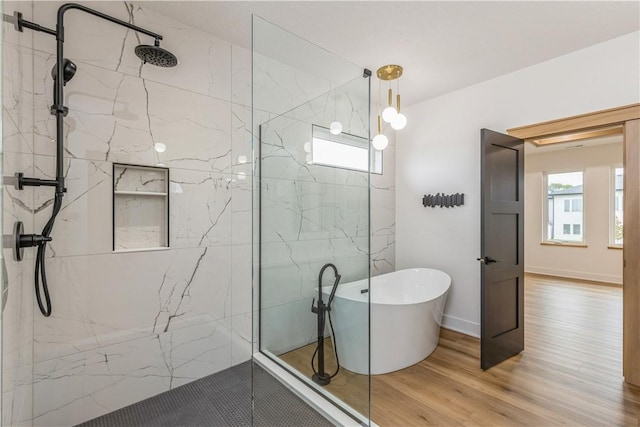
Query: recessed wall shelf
{"type": "Point", "coordinates": [140, 208]}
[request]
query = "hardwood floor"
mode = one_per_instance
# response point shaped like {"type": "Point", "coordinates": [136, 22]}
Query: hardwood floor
{"type": "Point", "coordinates": [569, 374]}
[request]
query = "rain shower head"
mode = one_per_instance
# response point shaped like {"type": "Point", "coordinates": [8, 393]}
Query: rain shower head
{"type": "Point", "coordinates": [155, 55]}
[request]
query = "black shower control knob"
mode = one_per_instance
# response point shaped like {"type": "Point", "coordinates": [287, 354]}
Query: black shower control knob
{"type": "Point", "coordinates": [29, 240]}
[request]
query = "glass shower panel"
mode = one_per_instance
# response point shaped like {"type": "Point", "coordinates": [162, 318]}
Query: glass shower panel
{"type": "Point", "coordinates": [311, 116]}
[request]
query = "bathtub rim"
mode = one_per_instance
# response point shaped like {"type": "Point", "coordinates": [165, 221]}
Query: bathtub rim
{"type": "Point", "coordinates": [365, 298]}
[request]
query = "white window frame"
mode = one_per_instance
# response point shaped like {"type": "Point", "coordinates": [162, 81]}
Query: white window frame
{"type": "Point", "coordinates": [545, 211]}
{"type": "Point", "coordinates": [612, 206]}
{"type": "Point", "coordinates": [375, 156]}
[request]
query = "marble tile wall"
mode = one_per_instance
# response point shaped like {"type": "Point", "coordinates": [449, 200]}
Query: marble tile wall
{"type": "Point", "coordinates": [126, 326]}
{"type": "Point", "coordinates": [17, 316]}
{"type": "Point", "coordinates": [383, 212]}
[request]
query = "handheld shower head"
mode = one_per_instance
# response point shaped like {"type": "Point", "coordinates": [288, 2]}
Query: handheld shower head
{"type": "Point", "coordinates": [333, 290]}
{"type": "Point", "coordinates": [69, 70]}
{"type": "Point", "coordinates": [155, 55]}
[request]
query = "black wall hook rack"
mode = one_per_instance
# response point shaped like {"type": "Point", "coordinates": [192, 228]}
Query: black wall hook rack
{"type": "Point", "coordinates": [443, 200]}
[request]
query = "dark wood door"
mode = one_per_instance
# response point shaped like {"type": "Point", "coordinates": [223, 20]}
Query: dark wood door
{"type": "Point", "coordinates": [502, 257]}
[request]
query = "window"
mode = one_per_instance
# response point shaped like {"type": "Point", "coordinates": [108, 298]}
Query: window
{"type": "Point", "coordinates": [564, 215]}
{"type": "Point", "coordinates": [576, 205]}
{"type": "Point", "coordinates": [343, 151]}
{"type": "Point", "coordinates": [617, 217]}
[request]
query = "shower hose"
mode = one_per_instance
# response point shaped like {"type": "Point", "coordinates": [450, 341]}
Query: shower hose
{"type": "Point", "coordinates": [335, 347]}
{"type": "Point", "coordinates": [45, 308]}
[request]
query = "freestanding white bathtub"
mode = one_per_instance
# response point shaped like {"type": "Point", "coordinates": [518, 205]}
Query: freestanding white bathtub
{"type": "Point", "coordinates": [406, 314]}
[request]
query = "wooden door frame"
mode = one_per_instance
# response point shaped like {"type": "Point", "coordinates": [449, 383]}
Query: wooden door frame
{"type": "Point", "coordinates": [627, 118]}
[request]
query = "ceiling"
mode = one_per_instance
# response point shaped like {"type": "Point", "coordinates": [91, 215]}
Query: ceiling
{"type": "Point", "coordinates": [443, 46]}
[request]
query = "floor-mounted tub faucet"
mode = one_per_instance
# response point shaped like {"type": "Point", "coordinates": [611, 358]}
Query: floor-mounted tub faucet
{"type": "Point", "coordinates": [321, 309]}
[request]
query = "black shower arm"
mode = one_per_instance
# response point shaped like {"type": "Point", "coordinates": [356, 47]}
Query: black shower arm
{"type": "Point", "coordinates": [21, 23]}
{"type": "Point", "coordinates": [68, 6]}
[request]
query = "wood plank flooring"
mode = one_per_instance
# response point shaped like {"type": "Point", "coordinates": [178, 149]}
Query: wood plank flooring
{"type": "Point", "coordinates": [569, 374]}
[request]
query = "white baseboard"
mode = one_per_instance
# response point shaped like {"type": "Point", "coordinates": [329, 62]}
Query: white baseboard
{"type": "Point", "coordinates": [596, 277]}
{"type": "Point", "coordinates": [461, 325]}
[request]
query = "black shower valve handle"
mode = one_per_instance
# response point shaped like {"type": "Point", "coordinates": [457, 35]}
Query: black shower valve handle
{"type": "Point", "coordinates": [21, 240]}
{"type": "Point", "coordinates": [30, 240]}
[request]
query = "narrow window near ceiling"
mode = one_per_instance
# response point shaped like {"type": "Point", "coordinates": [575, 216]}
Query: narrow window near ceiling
{"type": "Point", "coordinates": [616, 222]}
{"type": "Point", "coordinates": [564, 216]}
{"type": "Point", "coordinates": [343, 151]}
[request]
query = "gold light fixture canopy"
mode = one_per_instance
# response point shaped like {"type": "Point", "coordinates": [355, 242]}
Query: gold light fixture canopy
{"type": "Point", "coordinates": [389, 72]}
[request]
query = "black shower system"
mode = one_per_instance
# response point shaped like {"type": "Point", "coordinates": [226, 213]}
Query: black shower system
{"type": "Point", "coordinates": [153, 55]}
{"type": "Point", "coordinates": [323, 310]}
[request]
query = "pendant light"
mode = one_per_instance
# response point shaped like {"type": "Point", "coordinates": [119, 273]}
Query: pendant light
{"type": "Point", "coordinates": [390, 114]}
{"type": "Point", "coordinates": [335, 127]}
{"type": "Point", "coordinates": [380, 141]}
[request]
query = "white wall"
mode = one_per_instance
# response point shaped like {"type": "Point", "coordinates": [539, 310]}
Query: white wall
{"type": "Point", "coordinates": [596, 261]}
{"type": "Point", "coordinates": [439, 151]}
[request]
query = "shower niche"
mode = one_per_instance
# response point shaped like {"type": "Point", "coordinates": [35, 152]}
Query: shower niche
{"type": "Point", "coordinates": [140, 208]}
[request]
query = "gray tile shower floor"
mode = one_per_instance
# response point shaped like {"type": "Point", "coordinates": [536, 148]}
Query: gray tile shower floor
{"type": "Point", "coordinates": [222, 399]}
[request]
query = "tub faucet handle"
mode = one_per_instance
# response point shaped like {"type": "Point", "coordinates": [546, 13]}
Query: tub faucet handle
{"type": "Point", "coordinates": [320, 307]}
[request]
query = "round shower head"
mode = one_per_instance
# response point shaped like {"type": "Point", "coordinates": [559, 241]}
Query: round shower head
{"type": "Point", "coordinates": [155, 55]}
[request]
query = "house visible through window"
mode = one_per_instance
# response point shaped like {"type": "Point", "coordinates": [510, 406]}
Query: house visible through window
{"type": "Point", "coordinates": [617, 216]}
{"type": "Point", "coordinates": [564, 215]}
